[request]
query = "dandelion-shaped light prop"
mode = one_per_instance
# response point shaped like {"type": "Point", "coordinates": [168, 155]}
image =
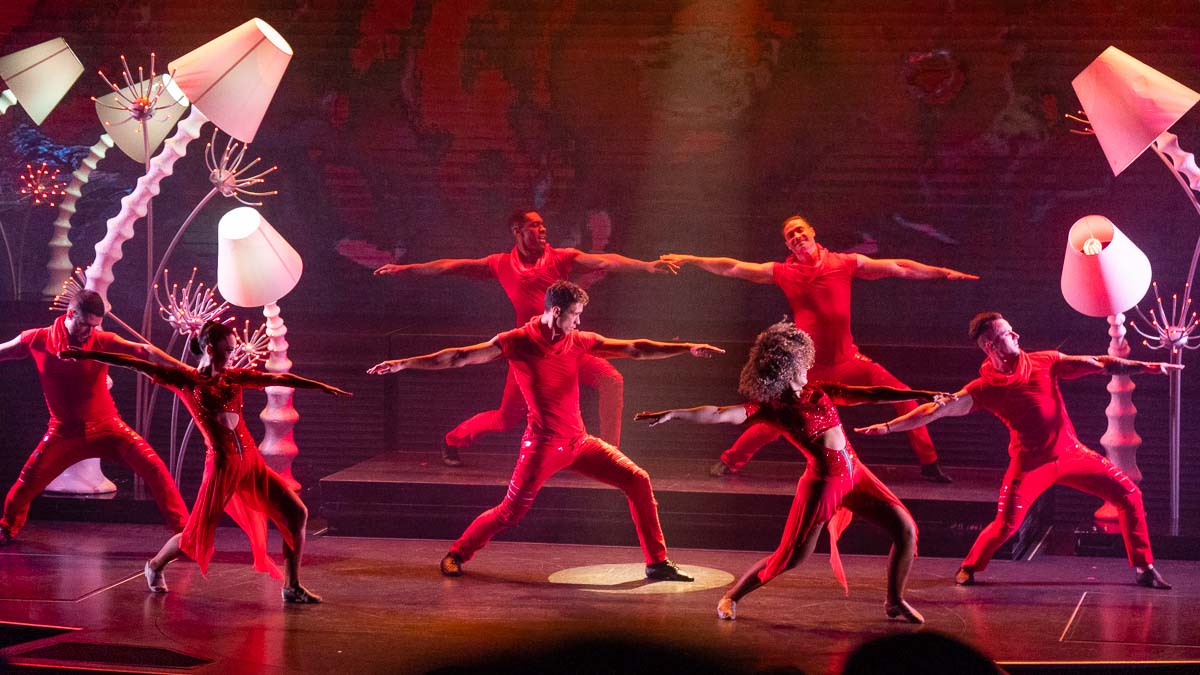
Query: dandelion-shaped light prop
{"type": "Point", "coordinates": [38, 187]}
{"type": "Point", "coordinates": [230, 81]}
{"type": "Point", "coordinates": [256, 266]}
{"type": "Point", "coordinates": [186, 310]}
{"type": "Point", "coordinates": [38, 77]}
{"type": "Point", "coordinates": [1131, 107]}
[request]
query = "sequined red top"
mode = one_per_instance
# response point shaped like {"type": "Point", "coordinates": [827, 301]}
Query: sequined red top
{"type": "Point", "coordinates": [802, 421]}
{"type": "Point", "coordinates": [207, 396]}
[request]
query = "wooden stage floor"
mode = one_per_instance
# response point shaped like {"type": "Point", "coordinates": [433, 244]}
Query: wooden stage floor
{"type": "Point", "coordinates": [387, 609]}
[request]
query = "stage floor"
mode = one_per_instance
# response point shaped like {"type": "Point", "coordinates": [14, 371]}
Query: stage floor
{"type": "Point", "coordinates": [387, 609]}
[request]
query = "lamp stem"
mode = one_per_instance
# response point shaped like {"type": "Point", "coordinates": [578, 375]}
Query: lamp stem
{"type": "Point", "coordinates": [59, 266]}
{"type": "Point", "coordinates": [279, 417]}
{"type": "Point", "coordinates": [133, 205]}
{"type": "Point", "coordinates": [1173, 454]}
{"type": "Point", "coordinates": [7, 100]}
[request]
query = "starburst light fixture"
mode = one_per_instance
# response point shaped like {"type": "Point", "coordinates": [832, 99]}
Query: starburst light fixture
{"type": "Point", "coordinates": [227, 174]}
{"type": "Point", "coordinates": [42, 185]}
{"type": "Point", "coordinates": [187, 309]}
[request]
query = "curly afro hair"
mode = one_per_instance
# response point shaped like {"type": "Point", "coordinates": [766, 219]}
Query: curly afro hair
{"type": "Point", "coordinates": [778, 354]}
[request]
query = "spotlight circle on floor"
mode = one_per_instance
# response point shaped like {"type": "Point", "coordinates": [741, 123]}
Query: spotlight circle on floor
{"type": "Point", "coordinates": [631, 578]}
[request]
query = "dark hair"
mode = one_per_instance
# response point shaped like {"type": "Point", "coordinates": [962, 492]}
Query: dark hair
{"type": "Point", "coordinates": [981, 323]}
{"type": "Point", "coordinates": [88, 302]}
{"type": "Point", "coordinates": [778, 354]}
{"type": "Point", "coordinates": [796, 217]}
{"type": "Point", "coordinates": [213, 331]}
{"type": "Point", "coordinates": [563, 294]}
{"type": "Point", "coordinates": [517, 217]}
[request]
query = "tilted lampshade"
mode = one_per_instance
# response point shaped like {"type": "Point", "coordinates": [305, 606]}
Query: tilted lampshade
{"type": "Point", "coordinates": [1104, 273]}
{"type": "Point", "coordinates": [126, 132]}
{"type": "Point", "coordinates": [39, 76]}
{"type": "Point", "coordinates": [232, 78]}
{"type": "Point", "coordinates": [1129, 104]}
{"type": "Point", "coordinates": [255, 265]}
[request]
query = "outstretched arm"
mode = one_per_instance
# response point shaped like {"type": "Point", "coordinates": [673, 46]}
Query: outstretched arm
{"type": "Point", "coordinates": [454, 357]}
{"type": "Point", "coordinates": [957, 406]}
{"type": "Point", "coordinates": [471, 267]}
{"type": "Point", "coordinates": [160, 373]}
{"type": "Point", "coordinates": [759, 273]}
{"type": "Point", "coordinates": [705, 414]}
{"type": "Point", "coordinates": [1070, 367]}
{"type": "Point", "coordinates": [903, 268]}
{"type": "Point", "coordinates": [259, 379]}
{"type": "Point", "coordinates": [612, 262]}
{"type": "Point", "coordinates": [143, 350]}
{"type": "Point", "coordinates": [608, 348]}
{"type": "Point", "coordinates": [13, 349]}
{"type": "Point", "coordinates": [845, 394]}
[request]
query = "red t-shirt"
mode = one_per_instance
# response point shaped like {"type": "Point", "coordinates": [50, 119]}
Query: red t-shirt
{"type": "Point", "coordinates": [819, 295]}
{"type": "Point", "coordinates": [76, 391]}
{"type": "Point", "coordinates": [526, 285]}
{"type": "Point", "coordinates": [548, 375]}
{"type": "Point", "coordinates": [1030, 404]}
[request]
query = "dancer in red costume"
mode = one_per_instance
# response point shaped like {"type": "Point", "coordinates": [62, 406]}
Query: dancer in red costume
{"type": "Point", "coordinates": [546, 356]}
{"type": "Point", "coordinates": [1021, 388]}
{"type": "Point", "coordinates": [236, 479]}
{"type": "Point", "coordinates": [835, 483]}
{"type": "Point", "coordinates": [84, 421]}
{"type": "Point", "coordinates": [816, 282]}
{"type": "Point", "coordinates": [525, 273]}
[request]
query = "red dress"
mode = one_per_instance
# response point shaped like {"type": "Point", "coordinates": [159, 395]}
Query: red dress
{"type": "Point", "coordinates": [834, 485]}
{"type": "Point", "coordinates": [236, 478]}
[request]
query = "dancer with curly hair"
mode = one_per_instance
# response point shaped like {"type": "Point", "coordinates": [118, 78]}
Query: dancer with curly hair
{"type": "Point", "coordinates": [835, 483]}
{"type": "Point", "coordinates": [236, 479]}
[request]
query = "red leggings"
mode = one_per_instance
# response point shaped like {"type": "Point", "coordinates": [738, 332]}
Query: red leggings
{"type": "Point", "coordinates": [110, 439]}
{"type": "Point", "coordinates": [588, 455]}
{"type": "Point", "coordinates": [594, 372]}
{"type": "Point", "coordinates": [1081, 469]}
{"type": "Point", "coordinates": [859, 370]}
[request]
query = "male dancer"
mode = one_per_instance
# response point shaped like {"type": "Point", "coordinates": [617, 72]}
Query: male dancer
{"type": "Point", "coordinates": [1021, 388]}
{"type": "Point", "coordinates": [816, 282]}
{"type": "Point", "coordinates": [546, 356]}
{"type": "Point", "coordinates": [84, 421]}
{"type": "Point", "coordinates": [525, 273]}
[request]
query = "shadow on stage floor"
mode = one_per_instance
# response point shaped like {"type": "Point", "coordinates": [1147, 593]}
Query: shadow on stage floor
{"type": "Point", "coordinates": [387, 609]}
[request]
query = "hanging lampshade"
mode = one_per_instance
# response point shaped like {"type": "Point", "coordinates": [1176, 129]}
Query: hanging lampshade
{"type": "Point", "coordinates": [127, 132]}
{"type": "Point", "coordinates": [39, 76]}
{"type": "Point", "coordinates": [232, 78]}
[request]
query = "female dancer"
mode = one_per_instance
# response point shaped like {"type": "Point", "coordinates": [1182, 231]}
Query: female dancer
{"type": "Point", "coordinates": [835, 484]}
{"type": "Point", "coordinates": [236, 479]}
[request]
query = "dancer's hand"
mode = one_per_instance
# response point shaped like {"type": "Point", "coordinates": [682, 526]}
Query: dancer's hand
{"type": "Point", "coordinates": [955, 275]}
{"type": "Point", "coordinates": [875, 429]}
{"type": "Point", "coordinates": [392, 269]}
{"type": "Point", "coordinates": [661, 266]}
{"type": "Point", "coordinates": [332, 390]}
{"type": "Point", "coordinates": [941, 398]}
{"type": "Point", "coordinates": [655, 418]}
{"type": "Point", "coordinates": [705, 351]}
{"type": "Point", "coordinates": [676, 259]}
{"type": "Point", "coordinates": [385, 367]}
{"type": "Point", "coordinates": [70, 353]}
{"type": "Point", "coordinates": [1162, 367]}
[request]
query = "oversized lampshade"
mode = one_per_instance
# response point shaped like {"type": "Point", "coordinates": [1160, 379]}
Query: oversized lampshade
{"type": "Point", "coordinates": [255, 265]}
{"type": "Point", "coordinates": [39, 76]}
{"type": "Point", "coordinates": [232, 78]}
{"type": "Point", "coordinates": [1129, 104]}
{"type": "Point", "coordinates": [127, 132]}
{"type": "Point", "coordinates": [1104, 273]}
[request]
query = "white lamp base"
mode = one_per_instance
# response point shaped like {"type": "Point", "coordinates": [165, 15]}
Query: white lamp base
{"type": "Point", "coordinates": [83, 478]}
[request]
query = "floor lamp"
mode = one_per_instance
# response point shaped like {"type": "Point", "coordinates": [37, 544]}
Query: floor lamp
{"type": "Point", "coordinates": [256, 267]}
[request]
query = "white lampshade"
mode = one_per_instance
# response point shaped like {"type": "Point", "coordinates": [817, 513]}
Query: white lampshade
{"type": "Point", "coordinates": [1104, 273]}
{"type": "Point", "coordinates": [232, 78]}
{"type": "Point", "coordinates": [1129, 104]}
{"type": "Point", "coordinates": [126, 132]}
{"type": "Point", "coordinates": [39, 76]}
{"type": "Point", "coordinates": [255, 265]}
